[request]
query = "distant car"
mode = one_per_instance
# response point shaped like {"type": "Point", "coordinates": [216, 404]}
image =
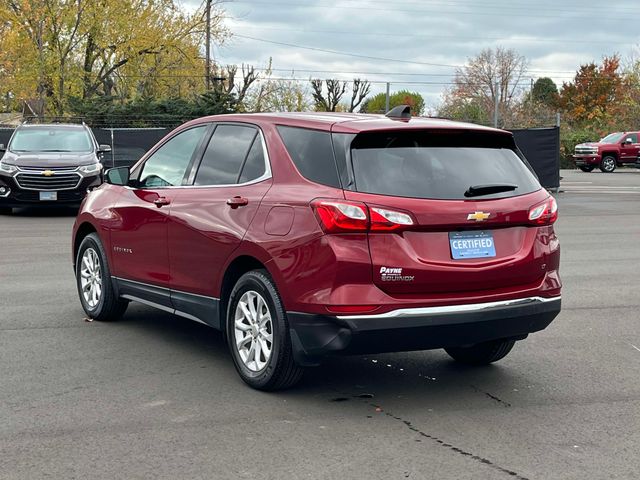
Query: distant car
{"type": "Point", "coordinates": [49, 164]}
{"type": "Point", "coordinates": [621, 148]}
{"type": "Point", "coordinates": [304, 235]}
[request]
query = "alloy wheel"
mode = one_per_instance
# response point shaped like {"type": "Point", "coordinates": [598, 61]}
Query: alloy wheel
{"type": "Point", "coordinates": [253, 331]}
{"type": "Point", "coordinates": [91, 278]}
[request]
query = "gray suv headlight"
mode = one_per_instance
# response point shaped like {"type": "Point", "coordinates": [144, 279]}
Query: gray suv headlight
{"type": "Point", "coordinates": [10, 169]}
{"type": "Point", "coordinates": [89, 169]}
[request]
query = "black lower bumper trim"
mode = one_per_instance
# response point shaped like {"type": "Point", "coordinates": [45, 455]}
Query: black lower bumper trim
{"type": "Point", "coordinates": [315, 336]}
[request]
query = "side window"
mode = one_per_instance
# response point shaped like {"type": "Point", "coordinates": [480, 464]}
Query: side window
{"type": "Point", "coordinates": [225, 155]}
{"type": "Point", "coordinates": [312, 153]}
{"type": "Point", "coordinates": [633, 137]}
{"type": "Point", "coordinates": [254, 164]}
{"type": "Point", "coordinates": [167, 166]}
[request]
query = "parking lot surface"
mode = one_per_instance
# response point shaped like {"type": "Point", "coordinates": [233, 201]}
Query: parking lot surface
{"type": "Point", "coordinates": [156, 396]}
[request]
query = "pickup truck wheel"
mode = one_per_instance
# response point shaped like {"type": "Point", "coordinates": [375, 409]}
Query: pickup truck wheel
{"type": "Point", "coordinates": [93, 278]}
{"type": "Point", "coordinates": [608, 164]}
{"type": "Point", "coordinates": [482, 353]}
{"type": "Point", "coordinates": [258, 334]}
{"type": "Point", "coordinates": [587, 168]}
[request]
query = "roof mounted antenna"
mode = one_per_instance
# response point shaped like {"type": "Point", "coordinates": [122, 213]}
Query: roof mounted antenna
{"type": "Point", "coordinates": [401, 112]}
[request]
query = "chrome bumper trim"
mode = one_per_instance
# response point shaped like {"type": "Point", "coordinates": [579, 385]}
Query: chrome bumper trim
{"type": "Point", "coordinates": [472, 307]}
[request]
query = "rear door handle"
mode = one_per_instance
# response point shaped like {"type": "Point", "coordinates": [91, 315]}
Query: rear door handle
{"type": "Point", "coordinates": [237, 201]}
{"type": "Point", "coordinates": [161, 201]}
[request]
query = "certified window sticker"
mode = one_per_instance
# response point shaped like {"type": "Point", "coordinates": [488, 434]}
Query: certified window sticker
{"type": "Point", "coordinates": [394, 274]}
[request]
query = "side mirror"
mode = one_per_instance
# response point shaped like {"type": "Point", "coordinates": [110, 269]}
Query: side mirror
{"type": "Point", "coordinates": [104, 148]}
{"type": "Point", "coordinates": [3, 148]}
{"type": "Point", "coordinates": [117, 176]}
{"type": "Point", "coordinates": [628, 141]}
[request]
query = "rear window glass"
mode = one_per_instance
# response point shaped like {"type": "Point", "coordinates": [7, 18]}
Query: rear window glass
{"type": "Point", "coordinates": [312, 153]}
{"type": "Point", "coordinates": [438, 165]}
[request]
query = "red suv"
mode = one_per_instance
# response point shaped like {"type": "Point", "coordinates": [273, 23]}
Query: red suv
{"type": "Point", "coordinates": [303, 235]}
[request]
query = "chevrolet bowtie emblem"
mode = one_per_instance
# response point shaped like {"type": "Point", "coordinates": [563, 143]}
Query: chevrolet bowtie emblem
{"type": "Point", "coordinates": [478, 216]}
{"type": "Point", "coordinates": [48, 173]}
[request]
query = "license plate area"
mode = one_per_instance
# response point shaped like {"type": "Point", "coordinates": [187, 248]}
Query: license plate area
{"type": "Point", "coordinates": [476, 244]}
{"type": "Point", "coordinates": [48, 196]}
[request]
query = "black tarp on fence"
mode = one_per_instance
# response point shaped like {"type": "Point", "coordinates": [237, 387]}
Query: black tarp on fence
{"type": "Point", "coordinates": [541, 146]}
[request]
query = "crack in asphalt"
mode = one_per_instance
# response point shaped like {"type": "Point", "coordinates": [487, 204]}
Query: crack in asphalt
{"type": "Point", "coordinates": [451, 447]}
{"type": "Point", "coordinates": [492, 397]}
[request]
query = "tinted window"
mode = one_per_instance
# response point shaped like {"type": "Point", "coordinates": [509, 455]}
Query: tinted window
{"type": "Point", "coordinates": [167, 166]}
{"type": "Point", "coordinates": [225, 154]}
{"type": "Point", "coordinates": [254, 165]}
{"type": "Point", "coordinates": [51, 139]}
{"type": "Point", "coordinates": [437, 165]}
{"type": "Point", "coordinates": [312, 153]}
{"type": "Point", "coordinates": [632, 136]}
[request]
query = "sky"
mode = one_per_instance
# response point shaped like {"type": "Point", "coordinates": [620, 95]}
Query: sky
{"type": "Point", "coordinates": [416, 44]}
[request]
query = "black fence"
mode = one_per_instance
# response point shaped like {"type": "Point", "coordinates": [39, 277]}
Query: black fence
{"type": "Point", "coordinates": [541, 146]}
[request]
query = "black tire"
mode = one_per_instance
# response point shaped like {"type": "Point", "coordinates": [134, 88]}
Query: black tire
{"type": "Point", "coordinates": [280, 370]}
{"type": "Point", "coordinates": [482, 353]}
{"type": "Point", "coordinates": [608, 164]}
{"type": "Point", "coordinates": [109, 306]}
{"type": "Point", "coordinates": [6, 211]}
{"type": "Point", "coordinates": [587, 168]}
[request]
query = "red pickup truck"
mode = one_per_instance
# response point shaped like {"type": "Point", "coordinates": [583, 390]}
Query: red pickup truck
{"type": "Point", "coordinates": [620, 148]}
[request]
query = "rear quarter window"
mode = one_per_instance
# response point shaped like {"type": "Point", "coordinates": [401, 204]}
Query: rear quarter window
{"type": "Point", "coordinates": [438, 164]}
{"type": "Point", "coordinates": [312, 154]}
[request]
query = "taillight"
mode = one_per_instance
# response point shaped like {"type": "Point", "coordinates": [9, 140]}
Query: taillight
{"type": "Point", "coordinates": [545, 213]}
{"type": "Point", "coordinates": [343, 216]}
{"type": "Point", "coordinates": [338, 216]}
{"type": "Point", "coordinates": [384, 220]}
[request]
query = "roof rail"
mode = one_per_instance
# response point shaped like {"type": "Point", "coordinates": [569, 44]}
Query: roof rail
{"type": "Point", "coordinates": [33, 119]}
{"type": "Point", "coordinates": [401, 112]}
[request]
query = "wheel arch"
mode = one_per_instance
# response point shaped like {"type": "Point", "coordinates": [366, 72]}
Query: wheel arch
{"type": "Point", "coordinates": [613, 154]}
{"type": "Point", "coordinates": [84, 229]}
{"type": "Point", "coordinates": [240, 265]}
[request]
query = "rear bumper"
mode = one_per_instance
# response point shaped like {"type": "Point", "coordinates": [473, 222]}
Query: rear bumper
{"type": "Point", "coordinates": [314, 336]}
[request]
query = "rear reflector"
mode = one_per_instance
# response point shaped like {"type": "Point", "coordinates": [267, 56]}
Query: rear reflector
{"type": "Point", "coordinates": [343, 216]}
{"type": "Point", "coordinates": [545, 213]}
{"type": "Point", "coordinates": [352, 308]}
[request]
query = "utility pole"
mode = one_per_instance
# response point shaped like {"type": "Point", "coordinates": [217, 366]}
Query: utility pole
{"type": "Point", "coordinates": [207, 67]}
{"type": "Point", "coordinates": [496, 107]}
{"type": "Point", "coordinates": [386, 103]}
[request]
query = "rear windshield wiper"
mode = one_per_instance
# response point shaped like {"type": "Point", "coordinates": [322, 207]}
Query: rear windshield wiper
{"type": "Point", "coordinates": [479, 190]}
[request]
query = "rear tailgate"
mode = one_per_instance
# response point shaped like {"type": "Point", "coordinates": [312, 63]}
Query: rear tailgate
{"type": "Point", "coordinates": [420, 260]}
{"type": "Point", "coordinates": [470, 195]}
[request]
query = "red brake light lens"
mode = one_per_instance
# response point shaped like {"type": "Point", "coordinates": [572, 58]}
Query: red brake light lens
{"type": "Point", "coordinates": [344, 216]}
{"type": "Point", "coordinates": [545, 213]}
{"type": "Point", "coordinates": [339, 216]}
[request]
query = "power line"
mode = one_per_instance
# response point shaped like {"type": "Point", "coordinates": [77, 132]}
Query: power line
{"type": "Point", "coordinates": [370, 57]}
{"type": "Point", "coordinates": [421, 35]}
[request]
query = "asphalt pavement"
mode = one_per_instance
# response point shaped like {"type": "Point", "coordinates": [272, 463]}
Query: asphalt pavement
{"type": "Point", "coordinates": [156, 397]}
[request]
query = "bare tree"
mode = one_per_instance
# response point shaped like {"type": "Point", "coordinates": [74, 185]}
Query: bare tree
{"type": "Point", "coordinates": [359, 91]}
{"type": "Point", "coordinates": [330, 101]}
{"type": "Point", "coordinates": [249, 76]}
{"type": "Point", "coordinates": [475, 83]}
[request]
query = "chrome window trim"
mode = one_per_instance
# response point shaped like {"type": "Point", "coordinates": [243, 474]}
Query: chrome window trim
{"type": "Point", "coordinates": [467, 308]}
{"type": "Point", "coordinates": [266, 176]}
